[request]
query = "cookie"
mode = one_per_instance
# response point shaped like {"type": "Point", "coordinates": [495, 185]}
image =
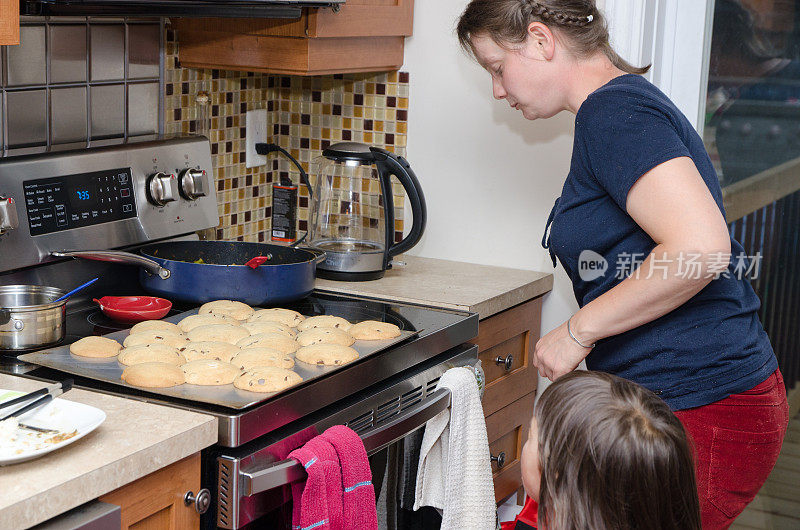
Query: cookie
{"type": "Point", "coordinates": [160, 353]}
{"type": "Point", "coordinates": [324, 321]}
{"type": "Point", "coordinates": [269, 327]}
{"type": "Point", "coordinates": [153, 375]}
{"type": "Point", "coordinates": [152, 325]}
{"type": "Point", "coordinates": [374, 330]}
{"type": "Point", "coordinates": [209, 372]}
{"type": "Point", "coordinates": [276, 341]}
{"type": "Point", "coordinates": [189, 323]}
{"type": "Point", "coordinates": [176, 340]}
{"type": "Point", "coordinates": [253, 357]}
{"type": "Point", "coordinates": [95, 347]}
{"type": "Point", "coordinates": [326, 354]}
{"type": "Point", "coordinates": [218, 333]}
{"type": "Point", "coordinates": [267, 379]}
{"type": "Point", "coordinates": [229, 308]}
{"type": "Point", "coordinates": [211, 350]}
{"type": "Point", "coordinates": [276, 314]}
{"type": "Point", "coordinates": [325, 336]}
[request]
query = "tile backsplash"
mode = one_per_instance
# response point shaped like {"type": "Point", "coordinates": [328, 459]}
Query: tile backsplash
{"type": "Point", "coordinates": [305, 115]}
{"type": "Point", "coordinates": [77, 81]}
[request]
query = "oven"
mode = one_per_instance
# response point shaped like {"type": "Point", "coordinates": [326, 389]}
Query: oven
{"type": "Point", "coordinates": [383, 396]}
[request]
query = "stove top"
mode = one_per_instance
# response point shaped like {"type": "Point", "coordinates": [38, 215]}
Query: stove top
{"type": "Point", "coordinates": [437, 331]}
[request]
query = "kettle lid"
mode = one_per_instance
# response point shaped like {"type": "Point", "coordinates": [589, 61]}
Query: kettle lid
{"type": "Point", "coordinates": [349, 151]}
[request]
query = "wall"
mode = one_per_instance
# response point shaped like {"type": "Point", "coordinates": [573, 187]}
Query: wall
{"type": "Point", "coordinates": [305, 115]}
{"type": "Point", "coordinates": [490, 177]}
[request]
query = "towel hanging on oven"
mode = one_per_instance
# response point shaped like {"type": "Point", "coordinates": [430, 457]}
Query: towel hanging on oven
{"type": "Point", "coordinates": [454, 473]}
{"type": "Point", "coordinates": [338, 493]}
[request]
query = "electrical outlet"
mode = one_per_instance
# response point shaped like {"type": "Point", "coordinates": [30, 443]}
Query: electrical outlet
{"type": "Point", "coordinates": [256, 132]}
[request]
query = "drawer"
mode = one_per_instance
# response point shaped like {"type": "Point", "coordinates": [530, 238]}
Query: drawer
{"type": "Point", "coordinates": [513, 332]}
{"type": "Point", "coordinates": [507, 430]}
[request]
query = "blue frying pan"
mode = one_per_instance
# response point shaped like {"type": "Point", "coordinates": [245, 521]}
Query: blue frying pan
{"type": "Point", "coordinates": [202, 271]}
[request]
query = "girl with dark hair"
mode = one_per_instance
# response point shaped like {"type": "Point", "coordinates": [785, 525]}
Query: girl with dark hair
{"type": "Point", "coordinates": [640, 230]}
{"type": "Point", "coordinates": [606, 453]}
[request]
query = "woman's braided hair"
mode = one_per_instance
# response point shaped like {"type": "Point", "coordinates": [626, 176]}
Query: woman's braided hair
{"type": "Point", "coordinates": [506, 22]}
{"type": "Point", "coordinates": [559, 17]}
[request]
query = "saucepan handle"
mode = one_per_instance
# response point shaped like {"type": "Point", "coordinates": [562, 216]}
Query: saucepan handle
{"type": "Point", "coordinates": [117, 256]}
{"type": "Point", "coordinates": [287, 471]}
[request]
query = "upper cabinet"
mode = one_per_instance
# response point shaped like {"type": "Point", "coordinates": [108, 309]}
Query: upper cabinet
{"type": "Point", "coordinates": [9, 22]}
{"type": "Point", "coordinates": [362, 36]}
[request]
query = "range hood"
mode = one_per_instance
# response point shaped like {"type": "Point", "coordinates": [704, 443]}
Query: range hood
{"type": "Point", "coordinates": [174, 8]}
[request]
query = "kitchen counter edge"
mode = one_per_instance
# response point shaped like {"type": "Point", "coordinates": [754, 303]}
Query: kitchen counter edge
{"type": "Point", "coordinates": [113, 455]}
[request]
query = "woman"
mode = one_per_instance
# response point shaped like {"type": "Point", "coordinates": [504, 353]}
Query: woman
{"type": "Point", "coordinates": [640, 229]}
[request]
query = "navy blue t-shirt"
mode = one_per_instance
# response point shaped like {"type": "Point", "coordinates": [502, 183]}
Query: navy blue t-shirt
{"type": "Point", "coordinates": [713, 345]}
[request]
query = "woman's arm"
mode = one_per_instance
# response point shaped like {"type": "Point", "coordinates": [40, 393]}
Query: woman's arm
{"type": "Point", "coordinates": [674, 206]}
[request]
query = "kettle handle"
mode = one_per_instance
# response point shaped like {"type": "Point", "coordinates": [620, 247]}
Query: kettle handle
{"type": "Point", "coordinates": [391, 164]}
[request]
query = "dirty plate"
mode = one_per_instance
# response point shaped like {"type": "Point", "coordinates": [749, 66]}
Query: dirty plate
{"type": "Point", "coordinates": [72, 420]}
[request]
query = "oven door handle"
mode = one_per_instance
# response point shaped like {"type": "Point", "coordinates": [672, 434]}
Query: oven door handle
{"type": "Point", "coordinates": [287, 471]}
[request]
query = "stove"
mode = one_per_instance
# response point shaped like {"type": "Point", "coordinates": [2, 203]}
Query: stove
{"type": "Point", "coordinates": [116, 198]}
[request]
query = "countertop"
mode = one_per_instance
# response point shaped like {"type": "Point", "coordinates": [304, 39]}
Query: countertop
{"type": "Point", "coordinates": [136, 439]}
{"type": "Point", "coordinates": [481, 289]}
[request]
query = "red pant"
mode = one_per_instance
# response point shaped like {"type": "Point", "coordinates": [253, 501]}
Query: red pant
{"type": "Point", "coordinates": [737, 441]}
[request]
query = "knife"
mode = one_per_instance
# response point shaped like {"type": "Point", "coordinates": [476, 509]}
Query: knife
{"type": "Point", "coordinates": [47, 394]}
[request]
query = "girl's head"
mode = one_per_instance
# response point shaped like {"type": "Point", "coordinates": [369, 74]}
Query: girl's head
{"type": "Point", "coordinates": [604, 452]}
{"type": "Point", "coordinates": [532, 47]}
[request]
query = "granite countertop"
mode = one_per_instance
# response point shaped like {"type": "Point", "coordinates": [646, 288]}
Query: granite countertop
{"type": "Point", "coordinates": [136, 439]}
{"type": "Point", "coordinates": [481, 289]}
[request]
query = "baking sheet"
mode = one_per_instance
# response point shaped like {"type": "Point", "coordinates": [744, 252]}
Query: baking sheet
{"type": "Point", "coordinates": [110, 370]}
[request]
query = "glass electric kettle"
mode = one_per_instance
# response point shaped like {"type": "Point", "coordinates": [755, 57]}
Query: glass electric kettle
{"type": "Point", "coordinates": [352, 210]}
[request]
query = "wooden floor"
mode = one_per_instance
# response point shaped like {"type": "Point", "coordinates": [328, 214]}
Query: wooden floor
{"type": "Point", "coordinates": [777, 506]}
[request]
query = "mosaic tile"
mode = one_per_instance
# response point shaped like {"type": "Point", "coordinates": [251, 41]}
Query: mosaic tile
{"type": "Point", "coordinates": [306, 115]}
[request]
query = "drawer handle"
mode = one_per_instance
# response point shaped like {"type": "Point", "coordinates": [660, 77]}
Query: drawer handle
{"type": "Point", "coordinates": [201, 501]}
{"type": "Point", "coordinates": [507, 361]}
{"type": "Point", "coordinates": [500, 459]}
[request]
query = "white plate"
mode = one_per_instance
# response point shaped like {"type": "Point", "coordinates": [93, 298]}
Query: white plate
{"type": "Point", "coordinates": [66, 416]}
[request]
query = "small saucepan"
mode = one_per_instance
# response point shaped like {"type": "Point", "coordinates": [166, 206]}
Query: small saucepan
{"type": "Point", "coordinates": [202, 271]}
{"type": "Point", "coordinates": [29, 318]}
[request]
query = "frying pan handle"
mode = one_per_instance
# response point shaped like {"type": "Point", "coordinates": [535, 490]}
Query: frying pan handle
{"type": "Point", "coordinates": [117, 256]}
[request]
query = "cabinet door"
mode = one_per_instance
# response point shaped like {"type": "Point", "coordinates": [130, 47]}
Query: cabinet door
{"type": "Point", "coordinates": [513, 332]}
{"type": "Point", "coordinates": [363, 36]}
{"type": "Point", "coordinates": [156, 501]}
{"type": "Point", "coordinates": [507, 430]}
{"type": "Point", "coordinates": [9, 22]}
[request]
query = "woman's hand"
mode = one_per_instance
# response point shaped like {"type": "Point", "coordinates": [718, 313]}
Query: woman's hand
{"type": "Point", "coordinates": [556, 353]}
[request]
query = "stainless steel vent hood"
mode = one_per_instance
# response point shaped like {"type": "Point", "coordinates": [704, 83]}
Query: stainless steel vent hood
{"type": "Point", "coordinates": [175, 8]}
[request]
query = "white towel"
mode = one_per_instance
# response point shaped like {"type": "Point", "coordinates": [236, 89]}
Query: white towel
{"type": "Point", "coordinates": [455, 473]}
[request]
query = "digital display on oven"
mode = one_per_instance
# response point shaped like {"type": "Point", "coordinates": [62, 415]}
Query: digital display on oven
{"type": "Point", "coordinates": [83, 199]}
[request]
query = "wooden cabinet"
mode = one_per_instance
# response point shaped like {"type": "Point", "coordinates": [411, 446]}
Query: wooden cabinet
{"type": "Point", "coordinates": [510, 387]}
{"type": "Point", "coordinates": [514, 333]}
{"type": "Point", "coordinates": [362, 36]}
{"type": "Point", "coordinates": [9, 22]}
{"type": "Point", "coordinates": [156, 500]}
{"type": "Point", "coordinates": [508, 429]}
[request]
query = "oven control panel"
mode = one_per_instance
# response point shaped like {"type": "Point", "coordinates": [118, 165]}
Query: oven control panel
{"type": "Point", "coordinates": [78, 200]}
{"type": "Point", "coordinates": [104, 198]}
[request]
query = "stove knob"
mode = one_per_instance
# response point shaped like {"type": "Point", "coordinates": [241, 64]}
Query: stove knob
{"type": "Point", "coordinates": [161, 188]}
{"type": "Point", "coordinates": [8, 214]}
{"type": "Point", "coordinates": [192, 184]}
